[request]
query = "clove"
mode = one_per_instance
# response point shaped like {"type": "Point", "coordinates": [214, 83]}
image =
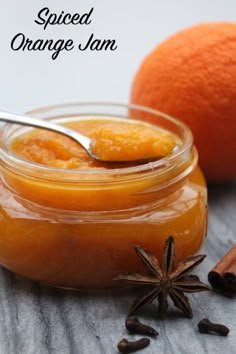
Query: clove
{"type": "Point", "coordinates": [206, 326]}
{"type": "Point", "coordinates": [125, 346]}
{"type": "Point", "coordinates": [134, 326]}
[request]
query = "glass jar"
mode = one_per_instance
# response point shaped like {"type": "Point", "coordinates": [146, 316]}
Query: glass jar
{"type": "Point", "coordinates": [78, 228]}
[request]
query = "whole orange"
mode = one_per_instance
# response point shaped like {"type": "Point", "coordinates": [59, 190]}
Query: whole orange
{"type": "Point", "coordinates": [192, 76]}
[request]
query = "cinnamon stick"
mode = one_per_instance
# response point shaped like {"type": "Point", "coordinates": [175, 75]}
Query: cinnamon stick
{"type": "Point", "coordinates": [223, 276]}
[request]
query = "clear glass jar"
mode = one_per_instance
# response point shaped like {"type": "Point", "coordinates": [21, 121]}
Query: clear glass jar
{"type": "Point", "coordinates": [78, 228]}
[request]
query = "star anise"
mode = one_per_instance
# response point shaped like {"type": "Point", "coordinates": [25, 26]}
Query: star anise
{"type": "Point", "coordinates": [166, 279]}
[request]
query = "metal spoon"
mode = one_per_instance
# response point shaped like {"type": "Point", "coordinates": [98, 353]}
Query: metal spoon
{"type": "Point", "coordinates": [81, 139]}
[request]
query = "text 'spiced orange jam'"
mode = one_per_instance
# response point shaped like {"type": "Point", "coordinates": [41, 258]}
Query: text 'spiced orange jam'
{"type": "Point", "coordinates": [77, 226]}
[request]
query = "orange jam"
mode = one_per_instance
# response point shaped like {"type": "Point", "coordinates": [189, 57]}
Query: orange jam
{"type": "Point", "coordinates": [69, 221]}
{"type": "Point", "coordinates": [113, 140]}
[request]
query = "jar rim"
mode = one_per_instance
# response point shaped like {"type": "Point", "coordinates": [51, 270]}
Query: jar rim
{"type": "Point", "coordinates": [162, 165]}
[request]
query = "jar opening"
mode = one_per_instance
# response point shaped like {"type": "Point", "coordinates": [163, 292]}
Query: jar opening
{"type": "Point", "coordinates": [74, 111]}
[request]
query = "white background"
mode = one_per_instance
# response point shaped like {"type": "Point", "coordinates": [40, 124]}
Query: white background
{"type": "Point", "coordinates": [33, 79]}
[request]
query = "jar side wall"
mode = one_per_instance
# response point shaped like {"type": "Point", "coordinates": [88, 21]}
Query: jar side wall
{"type": "Point", "coordinates": [53, 252]}
{"type": "Point", "coordinates": [116, 194]}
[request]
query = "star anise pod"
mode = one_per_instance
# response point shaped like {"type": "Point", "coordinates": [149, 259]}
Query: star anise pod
{"type": "Point", "coordinates": [166, 279]}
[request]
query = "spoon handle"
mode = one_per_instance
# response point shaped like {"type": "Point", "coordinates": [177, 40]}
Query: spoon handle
{"type": "Point", "coordinates": [37, 123]}
{"type": "Point", "coordinates": [29, 121]}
